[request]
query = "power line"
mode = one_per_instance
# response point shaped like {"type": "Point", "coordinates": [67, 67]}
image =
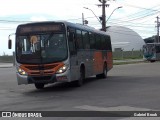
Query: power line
{"type": "Point", "coordinates": [118, 32]}
{"type": "Point", "coordinates": [139, 18]}
{"type": "Point", "coordinates": [150, 9]}
{"type": "Point", "coordinates": [141, 13]}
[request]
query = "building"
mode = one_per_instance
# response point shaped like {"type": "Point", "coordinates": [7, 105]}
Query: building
{"type": "Point", "coordinates": [125, 39]}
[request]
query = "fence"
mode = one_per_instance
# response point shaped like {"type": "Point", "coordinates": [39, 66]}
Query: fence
{"type": "Point", "coordinates": [127, 54]}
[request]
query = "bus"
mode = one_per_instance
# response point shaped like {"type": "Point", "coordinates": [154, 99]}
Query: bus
{"type": "Point", "coordinates": [151, 51]}
{"type": "Point", "coordinates": [60, 51]}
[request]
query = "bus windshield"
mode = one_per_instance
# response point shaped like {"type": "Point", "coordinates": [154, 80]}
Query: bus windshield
{"type": "Point", "coordinates": [41, 48]}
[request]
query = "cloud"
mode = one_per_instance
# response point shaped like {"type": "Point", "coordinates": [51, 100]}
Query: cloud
{"type": "Point", "coordinates": [38, 18]}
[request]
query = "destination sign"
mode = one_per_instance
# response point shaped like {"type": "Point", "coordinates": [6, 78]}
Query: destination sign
{"type": "Point", "coordinates": [39, 28]}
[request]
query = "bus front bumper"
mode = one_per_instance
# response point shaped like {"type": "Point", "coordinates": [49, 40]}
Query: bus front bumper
{"type": "Point", "coordinates": [21, 79]}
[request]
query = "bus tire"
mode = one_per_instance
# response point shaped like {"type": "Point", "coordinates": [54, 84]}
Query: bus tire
{"type": "Point", "coordinates": [152, 61]}
{"type": "Point", "coordinates": [39, 85]}
{"type": "Point", "coordinates": [104, 74]}
{"type": "Point", "coordinates": [79, 82]}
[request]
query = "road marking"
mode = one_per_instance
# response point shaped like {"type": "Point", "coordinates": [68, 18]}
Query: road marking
{"type": "Point", "coordinates": [117, 108]}
{"type": "Point", "coordinates": [140, 118]}
{"type": "Point", "coordinates": [120, 108]}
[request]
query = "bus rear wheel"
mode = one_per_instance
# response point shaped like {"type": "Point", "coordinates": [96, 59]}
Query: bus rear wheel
{"type": "Point", "coordinates": [104, 74]}
{"type": "Point", "coordinates": [39, 85]}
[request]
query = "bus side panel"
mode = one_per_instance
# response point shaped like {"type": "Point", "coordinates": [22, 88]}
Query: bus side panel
{"type": "Point", "coordinates": [109, 60]}
{"type": "Point", "coordinates": [98, 62]}
{"type": "Point", "coordinates": [85, 57]}
{"type": "Point", "coordinates": [74, 68]}
{"type": "Point", "coordinates": [82, 57]}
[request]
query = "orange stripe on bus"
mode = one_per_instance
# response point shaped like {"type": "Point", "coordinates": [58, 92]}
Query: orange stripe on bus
{"type": "Point", "coordinates": [98, 60]}
{"type": "Point", "coordinates": [109, 60]}
{"type": "Point", "coordinates": [35, 70]}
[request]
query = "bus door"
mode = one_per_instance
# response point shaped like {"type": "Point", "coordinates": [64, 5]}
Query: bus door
{"type": "Point", "coordinates": [74, 68]}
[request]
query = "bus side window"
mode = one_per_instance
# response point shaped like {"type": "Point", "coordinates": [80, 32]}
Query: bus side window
{"type": "Point", "coordinates": [71, 42]}
{"type": "Point", "coordinates": [98, 42]}
{"type": "Point", "coordinates": [104, 43]}
{"type": "Point", "coordinates": [79, 40]}
{"type": "Point", "coordinates": [108, 40]}
{"type": "Point", "coordinates": [86, 41]}
{"type": "Point", "coordinates": [92, 41]}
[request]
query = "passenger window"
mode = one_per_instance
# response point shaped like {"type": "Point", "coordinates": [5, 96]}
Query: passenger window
{"type": "Point", "coordinates": [98, 42]}
{"type": "Point", "coordinates": [92, 41]}
{"type": "Point", "coordinates": [104, 43]}
{"type": "Point", "coordinates": [85, 40]}
{"type": "Point", "coordinates": [71, 42]}
{"type": "Point", "coordinates": [79, 39]}
{"type": "Point", "coordinates": [108, 40]}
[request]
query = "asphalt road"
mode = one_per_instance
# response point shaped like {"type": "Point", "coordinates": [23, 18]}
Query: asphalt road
{"type": "Point", "coordinates": [132, 87]}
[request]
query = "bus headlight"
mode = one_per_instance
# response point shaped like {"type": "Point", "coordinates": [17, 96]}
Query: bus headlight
{"type": "Point", "coordinates": [62, 69]}
{"type": "Point", "coordinates": [21, 71]}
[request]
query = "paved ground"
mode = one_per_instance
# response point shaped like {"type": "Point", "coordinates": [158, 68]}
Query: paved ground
{"type": "Point", "coordinates": [5, 65]}
{"type": "Point", "coordinates": [128, 60]}
{"type": "Point", "coordinates": [131, 87]}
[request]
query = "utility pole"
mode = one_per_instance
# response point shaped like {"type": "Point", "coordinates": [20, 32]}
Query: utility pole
{"type": "Point", "coordinates": [84, 22]}
{"type": "Point", "coordinates": [157, 29]}
{"type": "Point", "coordinates": [82, 18]}
{"type": "Point", "coordinates": [103, 15]}
{"type": "Point", "coordinates": [103, 18]}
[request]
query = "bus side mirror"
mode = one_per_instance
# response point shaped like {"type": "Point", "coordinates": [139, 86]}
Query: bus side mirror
{"type": "Point", "coordinates": [9, 44]}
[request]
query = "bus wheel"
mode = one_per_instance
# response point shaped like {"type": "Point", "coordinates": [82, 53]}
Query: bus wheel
{"type": "Point", "coordinates": [152, 61]}
{"type": "Point", "coordinates": [80, 81]}
{"type": "Point", "coordinates": [39, 85]}
{"type": "Point", "coordinates": [104, 74]}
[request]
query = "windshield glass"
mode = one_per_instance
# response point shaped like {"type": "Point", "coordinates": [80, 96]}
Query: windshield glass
{"type": "Point", "coordinates": [41, 48]}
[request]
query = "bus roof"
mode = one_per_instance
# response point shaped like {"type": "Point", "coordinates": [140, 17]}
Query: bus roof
{"type": "Point", "coordinates": [74, 25]}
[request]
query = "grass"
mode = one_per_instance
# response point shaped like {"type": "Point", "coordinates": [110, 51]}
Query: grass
{"type": "Point", "coordinates": [123, 63]}
{"type": "Point", "coordinates": [120, 58]}
{"type": "Point", "coordinates": [6, 59]}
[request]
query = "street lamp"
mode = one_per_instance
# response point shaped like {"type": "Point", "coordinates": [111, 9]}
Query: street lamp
{"type": "Point", "coordinates": [93, 13]}
{"type": "Point", "coordinates": [113, 12]}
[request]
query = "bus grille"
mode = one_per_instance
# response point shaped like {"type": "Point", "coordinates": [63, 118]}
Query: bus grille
{"type": "Point", "coordinates": [40, 67]}
{"type": "Point", "coordinates": [41, 70]}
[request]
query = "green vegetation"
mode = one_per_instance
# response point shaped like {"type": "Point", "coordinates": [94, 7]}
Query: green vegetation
{"type": "Point", "coordinates": [122, 55]}
{"type": "Point", "coordinates": [129, 62]}
{"type": "Point", "coordinates": [6, 59]}
{"type": "Point", "coordinates": [128, 58]}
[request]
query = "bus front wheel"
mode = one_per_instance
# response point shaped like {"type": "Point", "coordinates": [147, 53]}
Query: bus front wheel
{"type": "Point", "coordinates": [39, 85]}
{"type": "Point", "coordinates": [80, 81]}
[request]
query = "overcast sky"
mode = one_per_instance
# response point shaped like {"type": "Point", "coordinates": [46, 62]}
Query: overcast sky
{"type": "Point", "coordinates": [139, 15]}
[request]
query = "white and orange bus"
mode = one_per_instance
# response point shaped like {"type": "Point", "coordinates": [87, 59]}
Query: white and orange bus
{"type": "Point", "coordinates": [48, 52]}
